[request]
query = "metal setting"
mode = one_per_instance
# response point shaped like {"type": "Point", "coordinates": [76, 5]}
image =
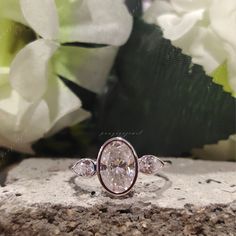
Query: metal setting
{"type": "Point", "coordinates": [147, 164]}
{"type": "Point", "coordinates": [99, 162]}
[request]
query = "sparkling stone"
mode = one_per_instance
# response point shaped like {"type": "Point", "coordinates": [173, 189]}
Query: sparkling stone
{"type": "Point", "coordinates": [84, 167]}
{"type": "Point", "coordinates": [150, 164]}
{"type": "Point", "coordinates": [117, 166]}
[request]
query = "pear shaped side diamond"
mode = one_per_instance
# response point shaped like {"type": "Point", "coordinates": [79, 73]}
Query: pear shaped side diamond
{"type": "Point", "coordinates": [150, 164]}
{"type": "Point", "coordinates": [85, 168]}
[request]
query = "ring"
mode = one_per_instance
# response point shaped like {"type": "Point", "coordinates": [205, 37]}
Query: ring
{"type": "Point", "coordinates": [117, 166]}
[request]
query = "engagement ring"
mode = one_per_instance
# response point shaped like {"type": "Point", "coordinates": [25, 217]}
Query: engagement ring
{"type": "Point", "coordinates": [117, 166]}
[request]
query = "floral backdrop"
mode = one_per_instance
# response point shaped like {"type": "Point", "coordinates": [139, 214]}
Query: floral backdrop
{"type": "Point", "coordinates": [159, 73]}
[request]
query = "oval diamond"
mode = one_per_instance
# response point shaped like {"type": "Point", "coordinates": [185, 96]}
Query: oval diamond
{"type": "Point", "coordinates": [150, 164]}
{"type": "Point", "coordinates": [84, 167]}
{"type": "Point", "coordinates": [117, 166]}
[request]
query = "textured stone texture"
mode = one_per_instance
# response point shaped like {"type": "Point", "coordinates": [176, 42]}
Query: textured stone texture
{"type": "Point", "coordinates": [43, 197]}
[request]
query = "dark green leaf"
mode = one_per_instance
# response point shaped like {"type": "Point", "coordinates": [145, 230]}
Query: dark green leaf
{"type": "Point", "coordinates": [135, 7]}
{"type": "Point", "coordinates": [161, 101]}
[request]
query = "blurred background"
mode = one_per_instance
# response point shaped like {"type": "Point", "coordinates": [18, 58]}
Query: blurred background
{"type": "Point", "coordinates": [155, 97]}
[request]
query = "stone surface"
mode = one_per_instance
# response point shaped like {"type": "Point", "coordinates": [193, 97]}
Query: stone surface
{"type": "Point", "coordinates": [191, 197]}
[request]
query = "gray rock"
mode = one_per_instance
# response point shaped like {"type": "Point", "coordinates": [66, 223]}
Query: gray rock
{"type": "Point", "coordinates": [43, 197]}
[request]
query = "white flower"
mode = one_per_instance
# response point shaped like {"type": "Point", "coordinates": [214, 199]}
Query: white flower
{"type": "Point", "coordinates": [223, 150]}
{"type": "Point", "coordinates": [146, 4]}
{"type": "Point", "coordinates": [34, 102]}
{"type": "Point", "coordinates": [204, 30]}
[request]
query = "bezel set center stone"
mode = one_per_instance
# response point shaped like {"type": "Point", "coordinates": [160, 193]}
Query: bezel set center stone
{"type": "Point", "coordinates": [117, 166]}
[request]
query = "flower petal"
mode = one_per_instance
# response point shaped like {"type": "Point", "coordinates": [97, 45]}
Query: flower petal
{"type": "Point", "coordinates": [183, 6]}
{"type": "Point", "coordinates": [231, 67]}
{"type": "Point", "coordinates": [21, 122]}
{"type": "Point", "coordinates": [64, 105]}
{"type": "Point", "coordinates": [94, 21]}
{"type": "Point", "coordinates": [9, 99]}
{"type": "Point", "coordinates": [222, 17]}
{"type": "Point", "coordinates": [4, 73]}
{"type": "Point", "coordinates": [26, 124]}
{"type": "Point", "coordinates": [30, 68]}
{"type": "Point", "coordinates": [205, 49]}
{"type": "Point", "coordinates": [35, 123]}
{"type": "Point", "coordinates": [27, 127]}
{"type": "Point", "coordinates": [203, 30]}
{"type": "Point", "coordinates": [174, 26]}
{"type": "Point", "coordinates": [187, 32]}
{"type": "Point", "coordinates": [87, 67]}
{"type": "Point", "coordinates": [70, 119]}
{"type": "Point", "coordinates": [11, 10]}
{"type": "Point", "coordinates": [42, 16]}
{"type": "Point", "coordinates": [24, 148]}
{"type": "Point", "coordinates": [223, 150]}
{"type": "Point", "coordinates": [157, 9]}
{"type": "Point", "coordinates": [222, 22]}
{"type": "Point", "coordinates": [11, 105]}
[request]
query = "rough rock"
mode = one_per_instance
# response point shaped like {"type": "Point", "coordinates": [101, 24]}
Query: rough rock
{"type": "Point", "coordinates": [190, 197]}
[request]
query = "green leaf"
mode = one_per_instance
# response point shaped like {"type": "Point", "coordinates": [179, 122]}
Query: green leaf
{"type": "Point", "coordinates": [162, 102]}
{"type": "Point", "coordinates": [87, 67]}
{"type": "Point", "coordinates": [9, 46]}
{"type": "Point", "coordinates": [220, 76]}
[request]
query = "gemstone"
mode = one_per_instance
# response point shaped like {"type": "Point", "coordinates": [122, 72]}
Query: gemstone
{"type": "Point", "coordinates": [117, 166]}
{"type": "Point", "coordinates": [150, 164]}
{"type": "Point", "coordinates": [84, 167]}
